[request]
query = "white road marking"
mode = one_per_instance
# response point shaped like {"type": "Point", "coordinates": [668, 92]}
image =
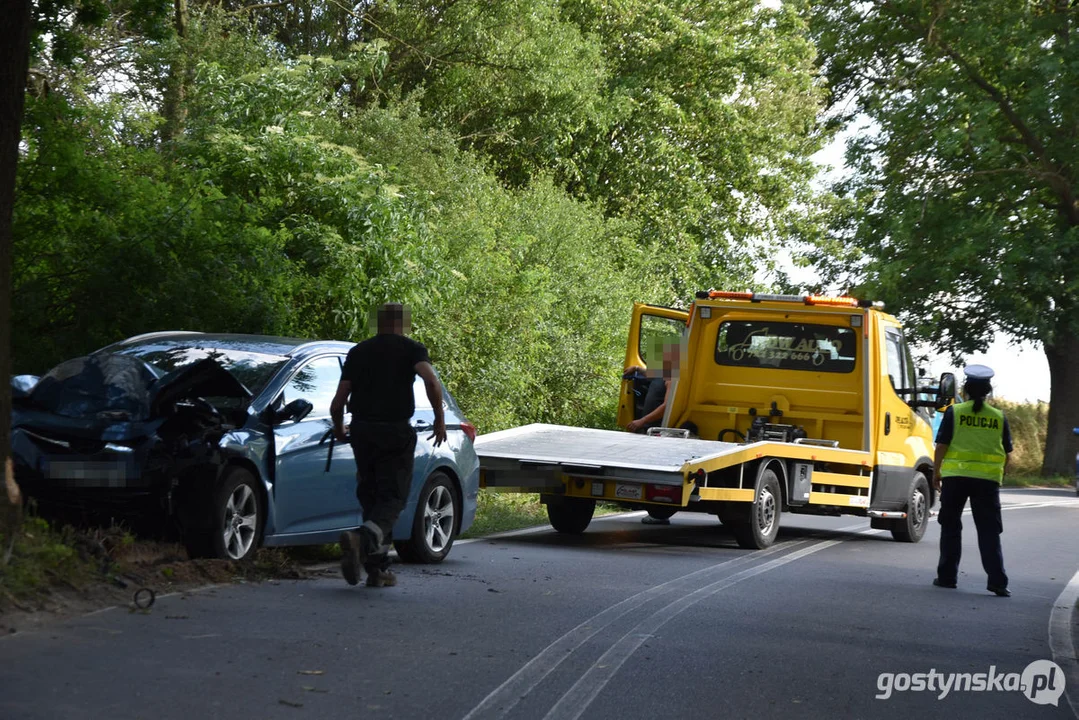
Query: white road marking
{"type": "Point", "coordinates": [504, 698]}
{"type": "Point", "coordinates": [1061, 622]}
{"type": "Point", "coordinates": [577, 699]}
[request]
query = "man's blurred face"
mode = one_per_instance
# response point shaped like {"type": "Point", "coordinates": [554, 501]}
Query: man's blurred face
{"type": "Point", "coordinates": [671, 355]}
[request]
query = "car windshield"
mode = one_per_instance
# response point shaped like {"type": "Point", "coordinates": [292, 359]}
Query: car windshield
{"type": "Point", "coordinates": [253, 369]}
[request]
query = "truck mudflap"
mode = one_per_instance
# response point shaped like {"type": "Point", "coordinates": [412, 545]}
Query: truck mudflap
{"type": "Point", "coordinates": [539, 456]}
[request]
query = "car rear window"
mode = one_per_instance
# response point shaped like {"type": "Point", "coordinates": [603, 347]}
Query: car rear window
{"type": "Point", "coordinates": [787, 346]}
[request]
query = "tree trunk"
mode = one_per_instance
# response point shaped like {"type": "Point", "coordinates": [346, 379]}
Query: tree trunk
{"type": "Point", "coordinates": [1060, 443]}
{"type": "Point", "coordinates": [14, 59]}
{"type": "Point", "coordinates": [174, 107]}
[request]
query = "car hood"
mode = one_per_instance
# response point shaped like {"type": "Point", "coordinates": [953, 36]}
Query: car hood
{"type": "Point", "coordinates": [106, 388]}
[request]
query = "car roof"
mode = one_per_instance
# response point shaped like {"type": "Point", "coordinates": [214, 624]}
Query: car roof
{"type": "Point", "coordinates": [268, 344]}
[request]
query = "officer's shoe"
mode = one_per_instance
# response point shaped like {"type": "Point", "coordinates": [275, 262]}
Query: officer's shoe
{"type": "Point", "coordinates": [381, 578]}
{"type": "Point", "coordinates": [944, 583]}
{"type": "Point", "coordinates": [1000, 591]}
{"type": "Point", "coordinates": [352, 556]}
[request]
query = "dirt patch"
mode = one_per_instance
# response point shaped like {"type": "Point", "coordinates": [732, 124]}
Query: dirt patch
{"type": "Point", "coordinates": [60, 574]}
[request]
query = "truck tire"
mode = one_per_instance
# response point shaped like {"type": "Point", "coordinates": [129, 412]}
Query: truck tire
{"type": "Point", "coordinates": [661, 513]}
{"type": "Point", "coordinates": [913, 527]}
{"type": "Point", "coordinates": [571, 515]}
{"type": "Point", "coordinates": [758, 528]}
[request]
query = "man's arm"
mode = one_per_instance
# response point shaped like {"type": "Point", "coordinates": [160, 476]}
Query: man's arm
{"type": "Point", "coordinates": [337, 409]}
{"type": "Point", "coordinates": [655, 415]}
{"type": "Point", "coordinates": [434, 394]}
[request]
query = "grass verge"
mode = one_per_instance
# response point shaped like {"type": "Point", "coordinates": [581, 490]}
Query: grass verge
{"type": "Point", "coordinates": [1032, 481]}
{"type": "Point", "coordinates": [501, 512]}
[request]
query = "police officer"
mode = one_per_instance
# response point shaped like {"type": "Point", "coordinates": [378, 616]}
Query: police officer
{"type": "Point", "coordinates": [972, 449]}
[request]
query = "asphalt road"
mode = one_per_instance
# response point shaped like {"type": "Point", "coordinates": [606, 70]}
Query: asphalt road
{"type": "Point", "coordinates": [626, 621]}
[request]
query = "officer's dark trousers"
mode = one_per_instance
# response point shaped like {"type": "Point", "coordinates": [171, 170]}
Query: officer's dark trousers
{"type": "Point", "coordinates": [384, 454]}
{"type": "Point", "coordinates": [985, 506]}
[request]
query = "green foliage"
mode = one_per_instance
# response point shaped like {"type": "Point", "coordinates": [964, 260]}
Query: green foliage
{"type": "Point", "coordinates": [963, 203]}
{"type": "Point", "coordinates": [109, 241]}
{"type": "Point", "coordinates": [39, 556]}
{"type": "Point", "coordinates": [502, 512]}
{"type": "Point", "coordinates": [518, 171]}
{"type": "Point", "coordinates": [695, 120]}
{"type": "Point", "coordinates": [529, 323]}
{"type": "Point", "coordinates": [1028, 423]}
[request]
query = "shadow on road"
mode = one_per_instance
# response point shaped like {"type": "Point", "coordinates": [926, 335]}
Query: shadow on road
{"type": "Point", "coordinates": [680, 533]}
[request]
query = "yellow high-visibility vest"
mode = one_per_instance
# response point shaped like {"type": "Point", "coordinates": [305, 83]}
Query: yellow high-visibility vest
{"type": "Point", "coordinates": [977, 446]}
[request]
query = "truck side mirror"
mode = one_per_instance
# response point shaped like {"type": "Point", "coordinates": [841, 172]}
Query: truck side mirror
{"type": "Point", "coordinates": [946, 391]}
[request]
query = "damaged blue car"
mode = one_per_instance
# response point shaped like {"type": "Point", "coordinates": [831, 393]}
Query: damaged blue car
{"type": "Point", "coordinates": [226, 439]}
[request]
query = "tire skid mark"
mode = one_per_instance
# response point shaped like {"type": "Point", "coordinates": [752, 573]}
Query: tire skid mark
{"type": "Point", "coordinates": [504, 698]}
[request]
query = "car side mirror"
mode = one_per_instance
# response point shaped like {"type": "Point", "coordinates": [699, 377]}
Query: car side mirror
{"type": "Point", "coordinates": [296, 411]}
{"type": "Point", "coordinates": [946, 391]}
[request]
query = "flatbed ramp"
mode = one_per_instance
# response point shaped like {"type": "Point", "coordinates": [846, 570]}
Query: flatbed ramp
{"type": "Point", "coordinates": [538, 455]}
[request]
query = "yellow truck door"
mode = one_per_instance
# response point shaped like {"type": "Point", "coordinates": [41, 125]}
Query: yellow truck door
{"type": "Point", "coordinates": [650, 326]}
{"type": "Point", "coordinates": [903, 444]}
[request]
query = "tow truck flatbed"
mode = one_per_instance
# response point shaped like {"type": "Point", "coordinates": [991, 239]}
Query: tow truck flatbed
{"type": "Point", "coordinates": [534, 451]}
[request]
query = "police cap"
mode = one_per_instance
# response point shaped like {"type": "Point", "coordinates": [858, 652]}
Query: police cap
{"type": "Point", "coordinates": [978, 372]}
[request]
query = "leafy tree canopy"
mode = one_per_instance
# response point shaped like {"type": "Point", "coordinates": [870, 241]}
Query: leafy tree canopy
{"type": "Point", "coordinates": [963, 199]}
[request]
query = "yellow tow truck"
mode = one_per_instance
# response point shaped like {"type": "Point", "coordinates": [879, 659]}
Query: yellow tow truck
{"type": "Point", "coordinates": [799, 403]}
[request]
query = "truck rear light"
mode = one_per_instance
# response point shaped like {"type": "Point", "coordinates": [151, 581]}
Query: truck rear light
{"type": "Point", "coordinates": [663, 493]}
{"type": "Point", "coordinates": [469, 429]}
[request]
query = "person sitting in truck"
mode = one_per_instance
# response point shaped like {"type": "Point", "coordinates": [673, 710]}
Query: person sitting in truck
{"type": "Point", "coordinates": [655, 401]}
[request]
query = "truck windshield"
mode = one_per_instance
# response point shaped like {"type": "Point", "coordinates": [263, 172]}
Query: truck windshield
{"type": "Point", "coordinates": [787, 346]}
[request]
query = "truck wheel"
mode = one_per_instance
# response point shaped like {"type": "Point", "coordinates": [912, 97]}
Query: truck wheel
{"type": "Point", "coordinates": [759, 529]}
{"type": "Point", "coordinates": [435, 524]}
{"type": "Point", "coordinates": [571, 515]}
{"type": "Point", "coordinates": [661, 513]}
{"type": "Point", "coordinates": [913, 527]}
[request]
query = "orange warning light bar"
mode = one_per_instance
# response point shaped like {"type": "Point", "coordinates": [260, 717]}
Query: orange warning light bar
{"type": "Point", "coordinates": [729, 295]}
{"type": "Point", "coordinates": [842, 301]}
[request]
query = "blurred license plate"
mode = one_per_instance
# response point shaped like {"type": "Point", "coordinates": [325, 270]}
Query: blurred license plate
{"type": "Point", "coordinates": [629, 492]}
{"type": "Point", "coordinates": [92, 473]}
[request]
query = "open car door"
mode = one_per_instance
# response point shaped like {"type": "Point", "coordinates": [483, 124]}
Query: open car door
{"type": "Point", "coordinates": [651, 326]}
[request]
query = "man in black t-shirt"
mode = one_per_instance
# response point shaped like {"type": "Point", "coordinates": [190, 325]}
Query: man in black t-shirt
{"type": "Point", "coordinates": [376, 383]}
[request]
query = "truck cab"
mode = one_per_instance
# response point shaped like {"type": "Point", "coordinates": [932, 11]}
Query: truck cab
{"type": "Point", "coordinates": [797, 403]}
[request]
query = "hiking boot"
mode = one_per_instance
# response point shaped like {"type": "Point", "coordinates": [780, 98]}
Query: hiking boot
{"type": "Point", "coordinates": [351, 556]}
{"type": "Point", "coordinates": [381, 578]}
{"type": "Point", "coordinates": [944, 583]}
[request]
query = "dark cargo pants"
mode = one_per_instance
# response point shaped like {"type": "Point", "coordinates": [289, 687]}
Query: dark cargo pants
{"type": "Point", "coordinates": [384, 454]}
{"type": "Point", "coordinates": [985, 507]}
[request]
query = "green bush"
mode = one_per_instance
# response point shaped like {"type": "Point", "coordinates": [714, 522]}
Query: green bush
{"type": "Point", "coordinates": [1028, 423]}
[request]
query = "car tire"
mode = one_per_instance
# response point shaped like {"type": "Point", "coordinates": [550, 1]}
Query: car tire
{"type": "Point", "coordinates": [757, 528]}
{"type": "Point", "coordinates": [661, 513]}
{"type": "Point", "coordinates": [237, 517]}
{"type": "Point", "coordinates": [912, 528]}
{"type": "Point", "coordinates": [571, 515]}
{"type": "Point", "coordinates": [435, 524]}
